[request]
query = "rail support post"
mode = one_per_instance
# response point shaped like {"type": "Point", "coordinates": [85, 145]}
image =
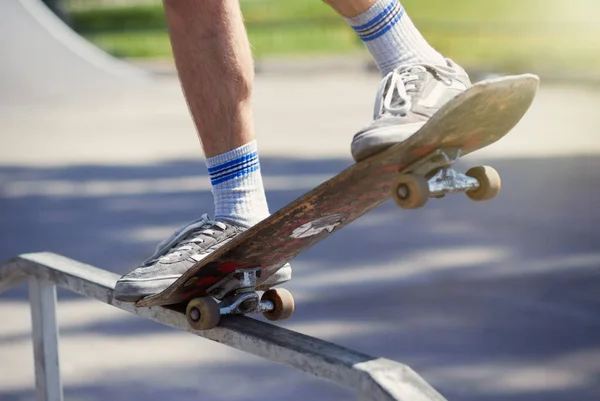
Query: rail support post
{"type": "Point", "coordinates": [42, 298]}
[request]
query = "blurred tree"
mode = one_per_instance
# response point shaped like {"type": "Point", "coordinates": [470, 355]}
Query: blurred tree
{"type": "Point", "coordinates": [58, 7]}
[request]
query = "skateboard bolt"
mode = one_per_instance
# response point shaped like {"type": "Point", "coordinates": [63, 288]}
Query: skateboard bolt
{"type": "Point", "coordinates": [195, 314]}
{"type": "Point", "coordinates": [402, 191]}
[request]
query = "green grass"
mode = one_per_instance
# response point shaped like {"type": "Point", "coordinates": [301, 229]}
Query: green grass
{"type": "Point", "coordinates": [143, 44]}
{"type": "Point", "coordinates": [511, 35]}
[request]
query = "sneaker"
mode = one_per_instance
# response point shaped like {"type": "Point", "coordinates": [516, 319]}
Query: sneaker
{"type": "Point", "coordinates": [407, 98]}
{"type": "Point", "coordinates": [178, 253]}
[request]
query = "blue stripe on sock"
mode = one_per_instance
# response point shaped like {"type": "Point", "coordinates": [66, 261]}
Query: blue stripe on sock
{"type": "Point", "coordinates": [234, 167]}
{"type": "Point", "coordinates": [232, 162]}
{"type": "Point", "coordinates": [232, 170]}
{"type": "Point", "coordinates": [385, 29]}
{"type": "Point", "coordinates": [377, 18]}
{"type": "Point", "coordinates": [241, 173]}
{"type": "Point", "coordinates": [381, 24]}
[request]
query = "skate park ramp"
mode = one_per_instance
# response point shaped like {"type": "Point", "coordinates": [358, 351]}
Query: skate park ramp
{"type": "Point", "coordinates": [43, 60]}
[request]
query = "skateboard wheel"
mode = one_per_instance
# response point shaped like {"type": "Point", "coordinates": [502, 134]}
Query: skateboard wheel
{"type": "Point", "coordinates": [489, 183]}
{"type": "Point", "coordinates": [203, 313]}
{"type": "Point", "coordinates": [411, 191]}
{"type": "Point", "coordinates": [283, 303]}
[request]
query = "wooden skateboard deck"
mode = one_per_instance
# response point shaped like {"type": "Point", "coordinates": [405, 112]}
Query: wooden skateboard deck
{"type": "Point", "coordinates": [473, 120]}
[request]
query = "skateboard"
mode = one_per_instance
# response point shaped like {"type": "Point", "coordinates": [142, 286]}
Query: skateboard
{"type": "Point", "coordinates": [411, 173]}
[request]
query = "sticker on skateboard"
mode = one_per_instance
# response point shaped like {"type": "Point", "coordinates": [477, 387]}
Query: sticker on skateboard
{"type": "Point", "coordinates": [326, 223]}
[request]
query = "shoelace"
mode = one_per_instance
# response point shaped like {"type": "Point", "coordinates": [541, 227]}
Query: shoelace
{"type": "Point", "coordinates": [403, 83]}
{"type": "Point", "coordinates": [195, 231]}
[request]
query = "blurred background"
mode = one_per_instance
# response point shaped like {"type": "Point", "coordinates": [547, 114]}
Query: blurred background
{"type": "Point", "coordinates": [558, 37]}
{"type": "Point", "coordinates": [99, 161]}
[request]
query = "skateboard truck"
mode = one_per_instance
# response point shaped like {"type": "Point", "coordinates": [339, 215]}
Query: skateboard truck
{"type": "Point", "coordinates": [238, 296]}
{"type": "Point", "coordinates": [237, 280]}
{"type": "Point", "coordinates": [432, 176]}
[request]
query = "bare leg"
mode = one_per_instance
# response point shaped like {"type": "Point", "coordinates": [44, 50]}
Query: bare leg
{"type": "Point", "coordinates": [214, 61]}
{"type": "Point", "coordinates": [215, 66]}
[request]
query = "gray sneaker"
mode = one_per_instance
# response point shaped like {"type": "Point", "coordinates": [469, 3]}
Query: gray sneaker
{"type": "Point", "coordinates": [407, 98]}
{"type": "Point", "coordinates": [178, 253]}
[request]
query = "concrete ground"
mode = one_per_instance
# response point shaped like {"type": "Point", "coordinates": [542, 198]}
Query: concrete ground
{"type": "Point", "coordinates": [488, 301]}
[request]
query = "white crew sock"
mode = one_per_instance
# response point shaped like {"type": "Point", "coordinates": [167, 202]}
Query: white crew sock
{"type": "Point", "coordinates": [392, 38]}
{"type": "Point", "coordinates": [237, 186]}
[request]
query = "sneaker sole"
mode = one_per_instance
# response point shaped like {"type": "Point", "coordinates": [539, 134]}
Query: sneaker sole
{"type": "Point", "coordinates": [377, 140]}
{"type": "Point", "coordinates": [132, 290]}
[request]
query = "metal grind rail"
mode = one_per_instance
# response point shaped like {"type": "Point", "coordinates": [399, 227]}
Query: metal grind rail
{"type": "Point", "coordinates": [372, 378]}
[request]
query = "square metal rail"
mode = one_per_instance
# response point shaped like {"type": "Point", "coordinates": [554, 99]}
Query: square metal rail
{"type": "Point", "coordinates": [372, 378]}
